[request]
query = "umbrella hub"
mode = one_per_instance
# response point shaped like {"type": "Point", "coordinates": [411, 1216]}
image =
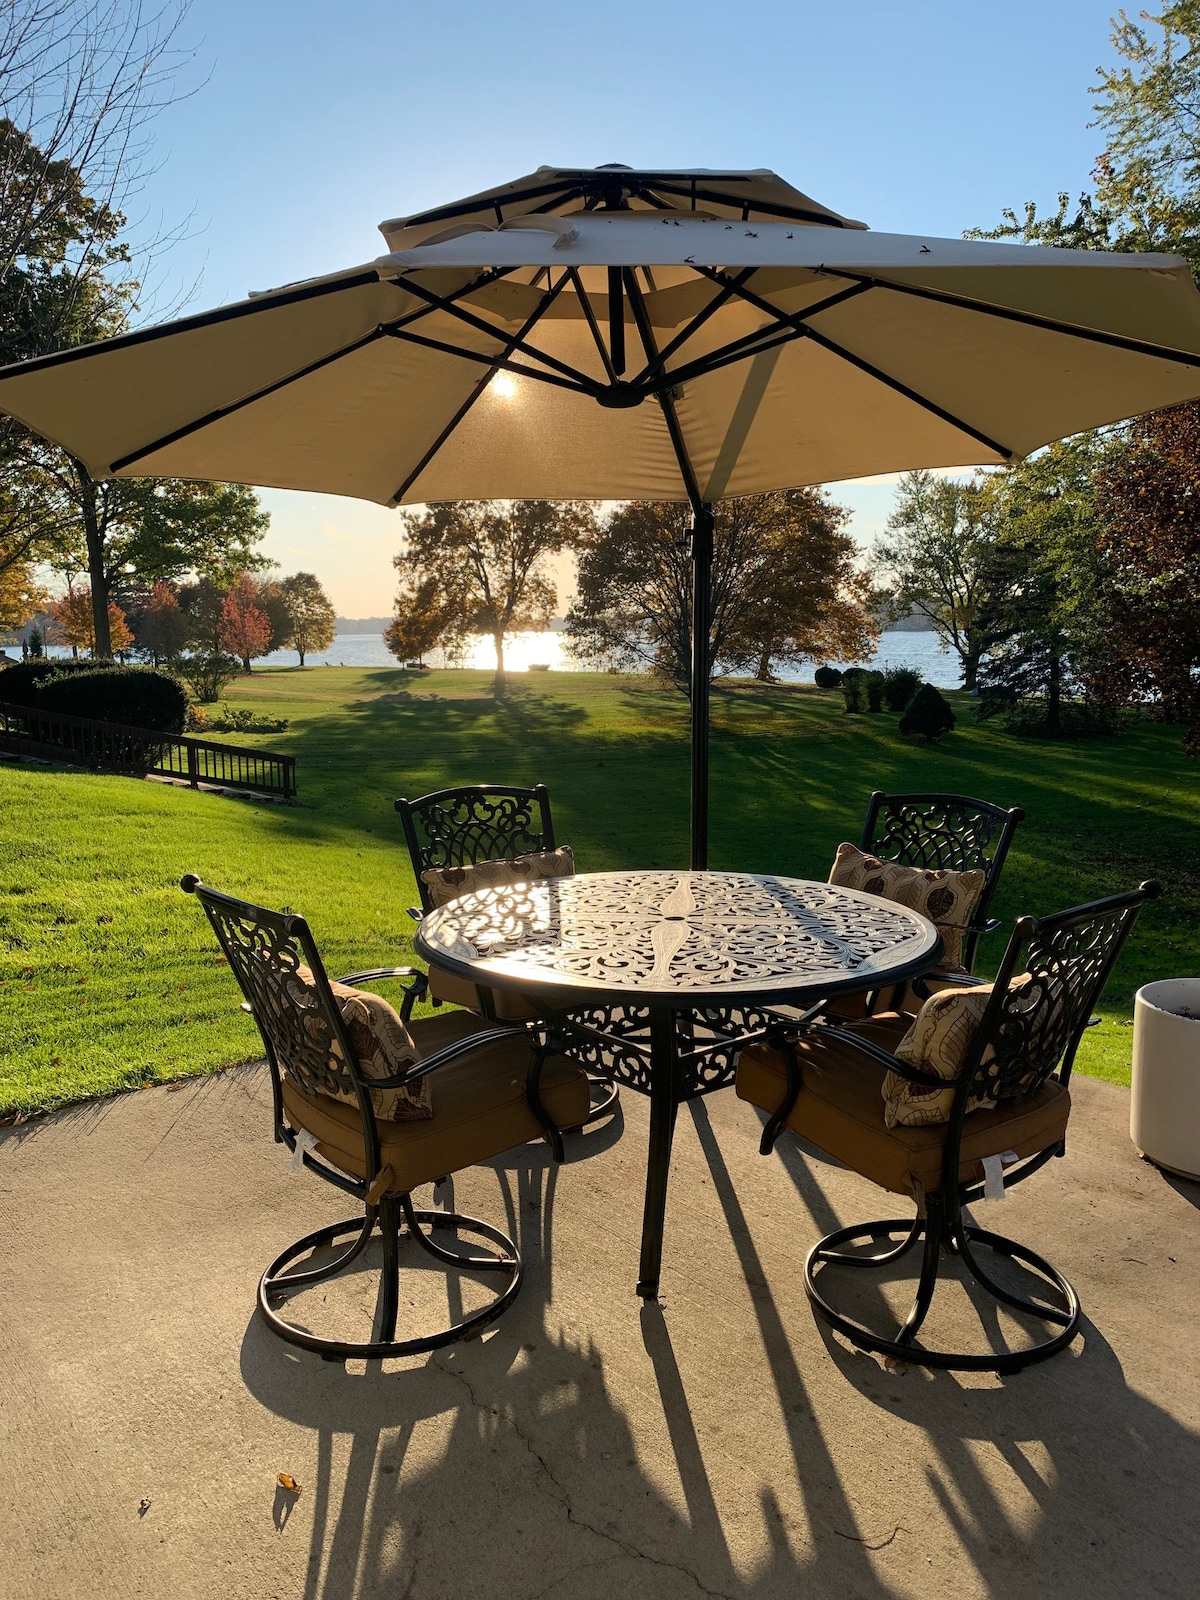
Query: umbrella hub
{"type": "Point", "coordinates": [620, 396]}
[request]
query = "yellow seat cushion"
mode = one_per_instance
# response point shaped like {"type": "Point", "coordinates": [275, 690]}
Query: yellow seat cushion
{"type": "Point", "coordinates": [479, 1109]}
{"type": "Point", "coordinates": [455, 991]}
{"type": "Point", "coordinates": [840, 1109]}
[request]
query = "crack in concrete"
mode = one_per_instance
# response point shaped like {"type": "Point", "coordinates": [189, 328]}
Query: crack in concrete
{"type": "Point", "coordinates": [623, 1545]}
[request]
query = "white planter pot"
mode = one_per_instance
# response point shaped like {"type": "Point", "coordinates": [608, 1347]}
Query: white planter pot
{"type": "Point", "coordinates": [1164, 1117]}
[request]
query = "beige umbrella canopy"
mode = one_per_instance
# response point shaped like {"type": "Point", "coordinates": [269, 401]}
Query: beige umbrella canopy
{"type": "Point", "coordinates": [619, 334]}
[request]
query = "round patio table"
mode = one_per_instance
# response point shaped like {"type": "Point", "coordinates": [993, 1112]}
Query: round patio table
{"type": "Point", "coordinates": [660, 978]}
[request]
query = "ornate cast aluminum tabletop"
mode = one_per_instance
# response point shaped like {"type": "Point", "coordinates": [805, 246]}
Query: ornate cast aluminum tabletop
{"type": "Point", "coordinates": [688, 960]}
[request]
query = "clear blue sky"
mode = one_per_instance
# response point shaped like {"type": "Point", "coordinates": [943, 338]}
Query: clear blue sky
{"type": "Point", "coordinates": [313, 122]}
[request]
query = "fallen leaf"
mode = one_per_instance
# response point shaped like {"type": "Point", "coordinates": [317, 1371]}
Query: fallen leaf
{"type": "Point", "coordinates": [143, 1506]}
{"type": "Point", "coordinates": [286, 1481]}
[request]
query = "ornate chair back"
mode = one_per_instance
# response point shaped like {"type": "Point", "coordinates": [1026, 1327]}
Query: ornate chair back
{"type": "Point", "coordinates": [479, 822]}
{"type": "Point", "coordinates": [300, 1022]}
{"type": "Point", "coordinates": [1053, 973]}
{"type": "Point", "coordinates": [944, 832]}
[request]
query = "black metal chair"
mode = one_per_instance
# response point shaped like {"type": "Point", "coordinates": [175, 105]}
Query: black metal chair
{"type": "Point", "coordinates": [823, 1081]}
{"type": "Point", "coordinates": [949, 833]}
{"type": "Point", "coordinates": [462, 827]}
{"type": "Point", "coordinates": [497, 1086]}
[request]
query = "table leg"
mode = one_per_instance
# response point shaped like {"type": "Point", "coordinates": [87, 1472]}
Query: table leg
{"type": "Point", "coordinates": [664, 1104]}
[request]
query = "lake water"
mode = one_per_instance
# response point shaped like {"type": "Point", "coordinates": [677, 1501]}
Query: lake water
{"type": "Point", "coordinates": [917, 650]}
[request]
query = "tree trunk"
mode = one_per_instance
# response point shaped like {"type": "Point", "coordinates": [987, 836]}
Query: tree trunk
{"type": "Point", "coordinates": [501, 680]}
{"type": "Point", "coordinates": [246, 665]}
{"type": "Point", "coordinates": [1054, 690]}
{"type": "Point", "coordinates": [300, 653]}
{"type": "Point", "coordinates": [763, 675]}
{"type": "Point", "coordinates": [95, 554]}
{"type": "Point", "coordinates": [970, 665]}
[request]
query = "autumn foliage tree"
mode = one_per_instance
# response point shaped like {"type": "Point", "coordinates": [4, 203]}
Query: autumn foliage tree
{"type": "Point", "coordinates": [162, 628]}
{"type": "Point", "coordinates": [245, 628]}
{"type": "Point", "coordinates": [481, 567]}
{"type": "Point", "coordinates": [1148, 497]}
{"type": "Point", "coordinates": [75, 622]}
{"type": "Point", "coordinates": [784, 586]}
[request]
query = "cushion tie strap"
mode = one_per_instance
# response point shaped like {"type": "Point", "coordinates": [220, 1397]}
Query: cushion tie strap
{"type": "Point", "coordinates": [385, 1181]}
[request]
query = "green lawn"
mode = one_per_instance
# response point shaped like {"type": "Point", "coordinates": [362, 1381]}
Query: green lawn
{"type": "Point", "coordinates": [109, 978]}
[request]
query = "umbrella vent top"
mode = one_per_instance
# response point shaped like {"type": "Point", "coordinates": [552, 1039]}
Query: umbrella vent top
{"type": "Point", "coordinates": [753, 195]}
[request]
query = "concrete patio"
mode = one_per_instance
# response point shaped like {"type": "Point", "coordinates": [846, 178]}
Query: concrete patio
{"type": "Point", "coordinates": [716, 1444]}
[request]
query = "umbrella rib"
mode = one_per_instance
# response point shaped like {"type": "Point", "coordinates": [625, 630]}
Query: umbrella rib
{"type": "Point", "coordinates": [665, 400]}
{"type": "Point", "coordinates": [493, 361]}
{"type": "Point", "coordinates": [749, 343]}
{"type": "Point", "coordinates": [742, 350]}
{"type": "Point", "coordinates": [547, 300]}
{"type": "Point", "coordinates": [590, 319]}
{"type": "Point", "coordinates": [440, 303]}
{"type": "Point", "coordinates": [237, 405]}
{"type": "Point", "coordinates": [909, 394]}
{"type": "Point", "coordinates": [204, 319]}
{"type": "Point", "coordinates": [1031, 319]}
{"type": "Point", "coordinates": [280, 383]}
{"type": "Point", "coordinates": [718, 300]}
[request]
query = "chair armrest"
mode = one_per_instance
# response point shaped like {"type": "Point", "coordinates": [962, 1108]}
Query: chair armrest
{"type": "Point", "coordinates": [945, 980]}
{"type": "Point", "coordinates": [380, 972]}
{"type": "Point", "coordinates": [884, 1058]}
{"type": "Point", "coordinates": [444, 1056]}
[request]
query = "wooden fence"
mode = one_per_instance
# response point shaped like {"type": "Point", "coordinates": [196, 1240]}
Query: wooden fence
{"type": "Point", "coordinates": [24, 730]}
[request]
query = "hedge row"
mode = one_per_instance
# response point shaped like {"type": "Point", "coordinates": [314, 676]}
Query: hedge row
{"type": "Point", "coordinates": [137, 697]}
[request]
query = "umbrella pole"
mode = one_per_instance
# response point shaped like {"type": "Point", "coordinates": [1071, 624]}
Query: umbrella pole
{"type": "Point", "coordinates": [702, 550]}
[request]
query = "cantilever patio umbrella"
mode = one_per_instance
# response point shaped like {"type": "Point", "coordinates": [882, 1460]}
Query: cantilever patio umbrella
{"type": "Point", "coordinates": [619, 334]}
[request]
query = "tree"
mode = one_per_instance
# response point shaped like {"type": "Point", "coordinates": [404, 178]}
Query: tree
{"type": "Point", "coordinates": [161, 632]}
{"type": "Point", "coordinates": [939, 560]}
{"type": "Point", "coordinates": [245, 630]}
{"type": "Point", "coordinates": [1047, 571]}
{"type": "Point", "coordinates": [79, 82]}
{"type": "Point", "coordinates": [75, 623]}
{"type": "Point", "coordinates": [1148, 496]}
{"type": "Point", "coordinates": [21, 595]}
{"type": "Point", "coordinates": [783, 586]}
{"type": "Point", "coordinates": [1146, 183]}
{"type": "Point", "coordinates": [481, 566]}
{"type": "Point", "coordinates": [312, 616]}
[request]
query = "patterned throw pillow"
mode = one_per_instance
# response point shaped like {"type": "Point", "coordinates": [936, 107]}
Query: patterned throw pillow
{"type": "Point", "coordinates": [382, 1046]}
{"type": "Point", "coordinates": [946, 898]}
{"type": "Point", "coordinates": [938, 1042]}
{"type": "Point", "coordinates": [448, 883]}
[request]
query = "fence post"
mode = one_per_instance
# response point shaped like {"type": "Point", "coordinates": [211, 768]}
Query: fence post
{"type": "Point", "coordinates": [193, 766]}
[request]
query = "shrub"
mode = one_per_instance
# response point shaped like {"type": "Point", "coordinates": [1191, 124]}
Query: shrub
{"type": "Point", "coordinates": [208, 671]}
{"type": "Point", "coordinates": [874, 685]}
{"type": "Point", "coordinates": [929, 715]}
{"type": "Point", "coordinates": [827, 677]}
{"type": "Point", "coordinates": [900, 684]}
{"type": "Point", "coordinates": [854, 691]}
{"type": "Point", "coordinates": [229, 720]}
{"type": "Point", "coordinates": [19, 682]}
{"type": "Point", "coordinates": [137, 697]}
{"type": "Point", "coordinates": [1028, 718]}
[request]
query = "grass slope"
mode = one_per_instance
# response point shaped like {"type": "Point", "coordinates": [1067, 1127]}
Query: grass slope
{"type": "Point", "coordinates": [109, 977]}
